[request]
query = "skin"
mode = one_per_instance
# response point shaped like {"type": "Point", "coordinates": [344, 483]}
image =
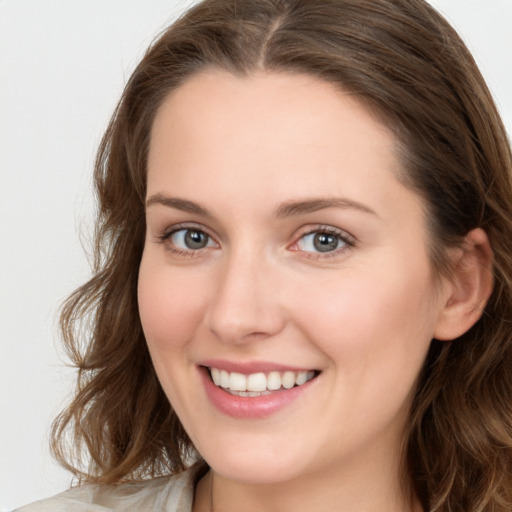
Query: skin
{"type": "Point", "coordinates": [363, 314]}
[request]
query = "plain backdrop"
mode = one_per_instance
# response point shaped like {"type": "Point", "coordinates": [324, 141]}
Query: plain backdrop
{"type": "Point", "coordinates": [63, 65]}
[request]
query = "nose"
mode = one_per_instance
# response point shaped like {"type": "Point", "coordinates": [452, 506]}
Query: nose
{"type": "Point", "coordinates": [245, 305]}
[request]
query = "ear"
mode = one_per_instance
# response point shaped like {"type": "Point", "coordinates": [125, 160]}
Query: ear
{"type": "Point", "coordinates": [468, 288]}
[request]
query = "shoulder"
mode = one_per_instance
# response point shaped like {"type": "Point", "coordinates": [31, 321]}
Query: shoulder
{"type": "Point", "coordinates": [172, 494]}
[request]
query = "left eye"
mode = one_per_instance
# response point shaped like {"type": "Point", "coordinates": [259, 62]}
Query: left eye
{"type": "Point", "coordinates": [321, 242]}
{"type": "Point", "coordinates": [191, 239]}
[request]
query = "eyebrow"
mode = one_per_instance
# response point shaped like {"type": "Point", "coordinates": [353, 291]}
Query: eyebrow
{"type": "Point", "coordinates": [286, 209]}
{"type": "Point", "coordinates": [292, 208]}
{"type": "Point", "coordinates": [179, 204]}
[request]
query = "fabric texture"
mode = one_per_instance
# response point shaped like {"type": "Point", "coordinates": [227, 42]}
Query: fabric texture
{"type": "Point", "coordinates": [164, 494]}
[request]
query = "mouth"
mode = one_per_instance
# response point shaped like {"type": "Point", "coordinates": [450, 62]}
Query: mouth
{"type": "Point", "coordinates": [260, 383]}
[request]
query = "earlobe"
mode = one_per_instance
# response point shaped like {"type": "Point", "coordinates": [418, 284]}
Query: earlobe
{"type": "Point", "coordinates": [469, 287]}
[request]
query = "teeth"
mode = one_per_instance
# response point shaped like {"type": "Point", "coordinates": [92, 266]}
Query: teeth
{"type": "Point", "coordinates": [237, 382]}
{"type": "Point", "coordinates": [273, 381]}
{"type": "Point", "coordinates": [288, 380]}
{"type": "Point", "coordinates": [215, 373]}
{"type": "Point", "coordinates": [224, 379]}
{"type": "Point", "coordinates": [248, 393]}
{"type": "Point", "coordinates": [302, 378]}
{"type": "Point", "coordinates": [256, 384]}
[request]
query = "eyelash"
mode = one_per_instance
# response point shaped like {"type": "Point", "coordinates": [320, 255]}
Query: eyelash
{"type": "Point", "coordinates": [345, 238]}
{"type": "Point", "coordinates": [190, 253]}
{"type": "Point", "coordinates": [341, 235]}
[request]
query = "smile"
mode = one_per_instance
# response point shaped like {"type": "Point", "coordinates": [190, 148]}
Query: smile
{"type": "Point", "coordinates": [258, 384]}
{"type": "Point", "coordinates": [254, 390]}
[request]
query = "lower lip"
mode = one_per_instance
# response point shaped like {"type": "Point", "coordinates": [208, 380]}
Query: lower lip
{"type": "Point", "coordinates": [250, 406]}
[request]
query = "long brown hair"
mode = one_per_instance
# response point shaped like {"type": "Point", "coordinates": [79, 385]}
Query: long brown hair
{"type": "Point", "coordinates": [409, 67]}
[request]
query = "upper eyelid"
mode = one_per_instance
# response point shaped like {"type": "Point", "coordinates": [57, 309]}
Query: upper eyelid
{"type": "Point", "coordinates": [327, 229]}
{"type": "Point", "coordinates": [187, 225]}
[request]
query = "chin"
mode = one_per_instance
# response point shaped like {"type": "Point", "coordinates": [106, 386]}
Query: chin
{"type": "Point", "coordinates": [254, 468]}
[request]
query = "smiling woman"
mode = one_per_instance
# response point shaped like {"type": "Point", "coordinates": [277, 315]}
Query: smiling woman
{"type": "Point", "coordinates": [303, 272]}
{"type": "Point", "coordinates": [322, 299]}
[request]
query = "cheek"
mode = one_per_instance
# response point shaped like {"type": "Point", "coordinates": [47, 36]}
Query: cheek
{"type": "Point", "coordinates": [379, 320]}
{"type": "Point", "coordinates": [171, 305]}
{"type": "Point", "coordinates": [373, 331]}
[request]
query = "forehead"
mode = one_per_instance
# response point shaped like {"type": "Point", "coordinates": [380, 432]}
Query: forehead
{"type": "Point", "coordinates": [275, 109]}
{"type": "Point", "coordinates": [267, 136]}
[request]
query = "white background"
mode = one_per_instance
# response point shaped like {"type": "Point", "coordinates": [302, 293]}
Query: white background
{"type": "Point", "coordinates": [62, 68]}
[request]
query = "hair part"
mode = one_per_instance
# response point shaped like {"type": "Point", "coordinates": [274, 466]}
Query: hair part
{"type": "Point", "coordinates": [404, 62]}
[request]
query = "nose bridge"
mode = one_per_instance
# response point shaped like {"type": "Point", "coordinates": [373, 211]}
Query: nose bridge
{"type": "Point", "coordinates": [245, 302]}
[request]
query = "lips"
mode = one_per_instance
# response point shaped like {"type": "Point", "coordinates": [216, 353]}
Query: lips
{"type": "Point", "coordinates": [254, 390]}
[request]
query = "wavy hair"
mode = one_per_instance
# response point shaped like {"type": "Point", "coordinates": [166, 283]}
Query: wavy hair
{"type": "Point", "coordinates": [403, 61]}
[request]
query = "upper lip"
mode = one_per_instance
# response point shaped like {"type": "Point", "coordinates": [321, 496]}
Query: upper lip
{"type": "Point", "coordinates": [248, 367]}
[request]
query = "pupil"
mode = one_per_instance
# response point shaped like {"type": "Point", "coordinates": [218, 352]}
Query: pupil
{"type": "Point", "coordinates": [324, 242]}
{"type": "Point", "coordinates": [195, 239]}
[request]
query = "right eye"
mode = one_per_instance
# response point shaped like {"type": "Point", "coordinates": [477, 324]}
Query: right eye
{"type": "Point", "coordinates": [190, 239]}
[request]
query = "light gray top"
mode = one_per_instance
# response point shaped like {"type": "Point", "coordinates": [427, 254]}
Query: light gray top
{"type": "Point", "coordinates": [164, 494]}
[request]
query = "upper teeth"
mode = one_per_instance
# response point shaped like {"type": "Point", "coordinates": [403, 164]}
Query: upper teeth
{"type": "Point", "coordinates": [258, 382]}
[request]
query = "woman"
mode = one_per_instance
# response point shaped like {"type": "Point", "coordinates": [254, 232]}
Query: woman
{"type": "Point", "coordinates": [303, 271]}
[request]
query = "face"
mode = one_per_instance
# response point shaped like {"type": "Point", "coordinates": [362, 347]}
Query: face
{"type": "Point", "coordinates": [285, 290]}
